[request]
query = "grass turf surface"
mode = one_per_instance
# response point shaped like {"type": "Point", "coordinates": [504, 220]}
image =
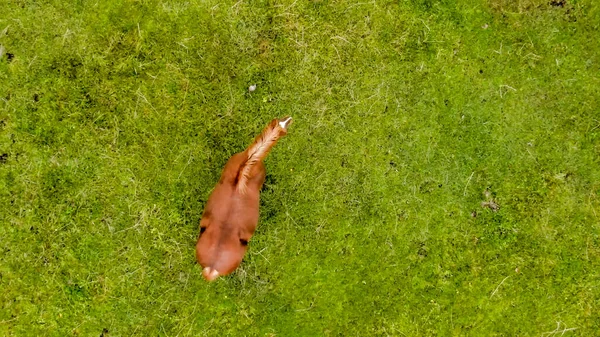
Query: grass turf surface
{"type": "Point", "coordinates": [117, 117]}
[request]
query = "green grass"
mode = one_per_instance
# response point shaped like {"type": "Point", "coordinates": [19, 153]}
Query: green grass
{"type": "Point", "coordinates": [116, 118]}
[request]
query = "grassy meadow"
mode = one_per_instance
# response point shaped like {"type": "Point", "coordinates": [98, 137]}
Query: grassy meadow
{"type": "Point", "coordinates": [441, 177]}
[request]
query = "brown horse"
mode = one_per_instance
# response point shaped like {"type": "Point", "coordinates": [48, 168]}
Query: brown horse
{"type": "Point", "coordinates": [231, 213]}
